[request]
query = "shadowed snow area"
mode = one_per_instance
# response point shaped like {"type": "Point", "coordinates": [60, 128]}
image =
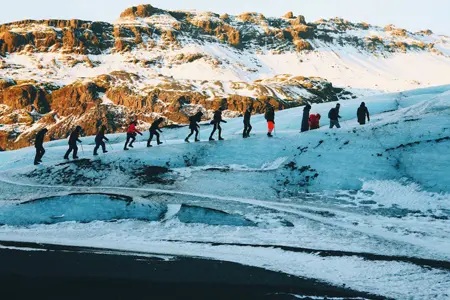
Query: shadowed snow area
{"type": "Point", "coordinates": [382, 189]}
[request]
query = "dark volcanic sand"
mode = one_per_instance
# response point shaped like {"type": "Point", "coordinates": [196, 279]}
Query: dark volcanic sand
{"type": "Point", "coordinates": [62, 272]}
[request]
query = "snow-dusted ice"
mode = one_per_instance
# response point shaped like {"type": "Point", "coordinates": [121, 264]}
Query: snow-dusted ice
{"type": "Point", "coordinates": [365, 206]}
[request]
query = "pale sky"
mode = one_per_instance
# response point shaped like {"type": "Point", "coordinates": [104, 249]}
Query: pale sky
{"type": "Point", "coordinates": [410, 14]}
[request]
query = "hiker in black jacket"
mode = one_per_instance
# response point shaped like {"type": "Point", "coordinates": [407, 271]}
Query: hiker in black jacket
{"type": "Point", "coordinates": [305, 120]}
{"type": "Point", "coordinates": [99, 140]}
{"type": "Point", "coordinates": [154, 131]}
{"type": "Point", "coordinates": [193, 126]}
{"type": "Point", "coordinates": [362, 113]}
{"type": "Point", "coordinates": [217, 119]}
{"type": "Point", "coordinates": [334, 116]}
{"type": "Point", "coordinates": [247, 126]}
{"type": "Point", "coordinates": [73, 139]}
{"type": "Point", "coordinates": [270, 118]}
{"type": "Point", "coordinates": [39, 145]}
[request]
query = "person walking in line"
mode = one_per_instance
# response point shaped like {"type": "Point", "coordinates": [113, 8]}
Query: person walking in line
{"type": "Point", "coordinates": [217, 119]}
{"type": "Point", "coordinates": [314, 121]}
{"type": "Point", "coordinates": [362, 113]}
{"type": "Point", "coordinates": [39, 145]}
{"type": "Point", "coordinates": [154, 131]}
{"type": "Point", "coordinates": [334, 116]}
{"type": "Point", "coordinates": [100, 139]}
{"type": "Point", "coordinates": [247, 126]}
{"type": "Point", "coordinates": [131, 135]}
{"type": "Point", "coordinates": [305, 119]}
{"type": "Point", "coordinates": [193, 126]}
{"type": "Point", "coordinates": [73, 139]}
{"type": "Point", "coordinates": [270, 118]}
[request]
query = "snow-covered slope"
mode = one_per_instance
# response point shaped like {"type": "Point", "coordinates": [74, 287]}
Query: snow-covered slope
{"type": "Point", "coordinates": [365, 206]}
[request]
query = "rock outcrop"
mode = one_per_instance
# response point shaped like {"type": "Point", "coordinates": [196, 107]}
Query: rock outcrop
{"type": "Point", "coordinates": [63, 73]}
{"type": "Point", "coordinates": [113, 100]}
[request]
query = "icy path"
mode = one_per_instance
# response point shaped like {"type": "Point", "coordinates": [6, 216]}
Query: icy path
{"type": "Point", "coordinates": [327, 204]}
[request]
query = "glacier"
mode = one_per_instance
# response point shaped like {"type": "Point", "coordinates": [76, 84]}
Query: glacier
{"type": "Point", "coordinates": [365, 206]}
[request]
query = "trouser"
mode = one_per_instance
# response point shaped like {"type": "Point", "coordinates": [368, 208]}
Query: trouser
{"type": "Point", "coordinates": [152, 133]}
{"type": "Point", "coordinates": [40, 151]}
{"type": "Point", "coordinates": [362, 122]}
{"type": "Point", "coordinates": [216, 127]}
{"type": "Point", "coordinates": [305, 127]}
{"type": "Point", "coordinates": [192, 132]}
{"type": "Point", "coordinates": [270, 126]}
{"type": "Point", "coordinates": [334, 123]}
{"type": "Point", "coordinates": [247, 129]}
{"type": "Point", "coordinates": [132, 137]}
{"type": "Point", "coordinates": [73, 147]}
{"type": "Point", "coordinates": [98, 144]}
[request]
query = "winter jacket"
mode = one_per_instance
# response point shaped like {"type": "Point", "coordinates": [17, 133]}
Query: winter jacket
{"type": "Point", "coordinates": [333, 115]}
{"type": "Point", "coordinates": [100, 136]}
{"type": "Point", "coordinates": [218, 117]}
{"type": "Point", "coordinates": [193, 120]}
{"type": "Point", "coordinates": [40, 138]}
{"type": "Point", "coordinates": [132, 129]}
{"type": "Point", "coordinates": [247, 116]}
{"type": "Point", "coordinates": [362, 113]}
{"type": "Point", "coordinates": [305, 120]}
{"type": "Point", "coordinates": [74, 137]}
{"type": "Point", "coordinates": [270, 115]}
{"type": "Point", "coordinates": [314, 121]}
{"type": "Point", "coordinates": [155, 125]}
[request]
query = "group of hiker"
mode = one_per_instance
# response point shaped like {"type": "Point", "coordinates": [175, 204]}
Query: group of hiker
{"type": "Point", "coordinates": [309, 122]}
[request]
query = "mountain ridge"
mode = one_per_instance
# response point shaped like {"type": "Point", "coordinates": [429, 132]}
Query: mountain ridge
{"type": "Point", "coordinates": [153, 63]}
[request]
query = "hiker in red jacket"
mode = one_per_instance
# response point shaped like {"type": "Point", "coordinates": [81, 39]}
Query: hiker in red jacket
{"type": "Point", "coordinates": [131, 135]}
{"type": "Point", "coordinates": [314, 121]}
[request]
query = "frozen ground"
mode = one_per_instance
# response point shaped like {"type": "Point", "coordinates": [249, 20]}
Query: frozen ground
{"type": "Point", "coordinates": [365, 206]}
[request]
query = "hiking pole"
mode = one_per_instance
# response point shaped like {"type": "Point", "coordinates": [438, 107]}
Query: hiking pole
{"type": "Point", "coordinates": [164, 137]}
{"type": "Point", "coordinates": [110, 145]}
{"type": "Point", "coordinates": [82, 150]}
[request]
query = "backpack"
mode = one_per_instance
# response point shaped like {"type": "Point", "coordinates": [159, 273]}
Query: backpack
{"type": "Point", "coordinates": [330, 113]}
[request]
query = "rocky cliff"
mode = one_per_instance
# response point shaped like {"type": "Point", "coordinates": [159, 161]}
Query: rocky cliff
{"type": "Point", "coordinates": [152, 63]}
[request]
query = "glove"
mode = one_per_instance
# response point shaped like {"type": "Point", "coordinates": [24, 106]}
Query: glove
{"type": "Point", "coordinates": [141, 134]}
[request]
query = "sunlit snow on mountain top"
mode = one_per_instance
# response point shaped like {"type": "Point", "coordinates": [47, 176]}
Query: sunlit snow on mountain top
{"type": "Point", "coordinates": [373, 201]}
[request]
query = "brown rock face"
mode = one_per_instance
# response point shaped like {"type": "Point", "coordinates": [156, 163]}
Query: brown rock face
{"type": "Point", "coordinates": [289, 15]}
{"type": "Point", "coordinates": [140, 11]}
{"type": "Point", "coordinates": [75, 99]}
{"type": "Point", "coordinates": [73, 36]}
{"type": "Point", "coordinates": [23, 96]}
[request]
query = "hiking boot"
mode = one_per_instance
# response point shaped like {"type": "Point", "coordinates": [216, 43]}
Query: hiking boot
{"type": "Point", "coordinates": [197, 140]}
{"type": "Point", "coordinates": [149, 146]}
{"type": "Point", "coordinates": [131, 146]}
{"type": "Point", "coordinates": [126, 149]}
{"type": "Point", "coordinates": [211, 139]}
{"type": "Point", "coordinates": [65, 157]}
{"type": "Point", "coordinates": [36, 163]}
{"type": "Point", "coordinates": [221, 139]}
{"type": "Point", "coordinates": [95, 154]}
{"type": "Point", "coordinates": [269, 134]}
{"type": "Point", "coordinates": [186, 140]}
{"type": "Point", "coordinates": [75, 157]}
{"type": "Point", "coordinates": [106, 151]}
{"type": "Point", "coordinates": [160, 143]}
